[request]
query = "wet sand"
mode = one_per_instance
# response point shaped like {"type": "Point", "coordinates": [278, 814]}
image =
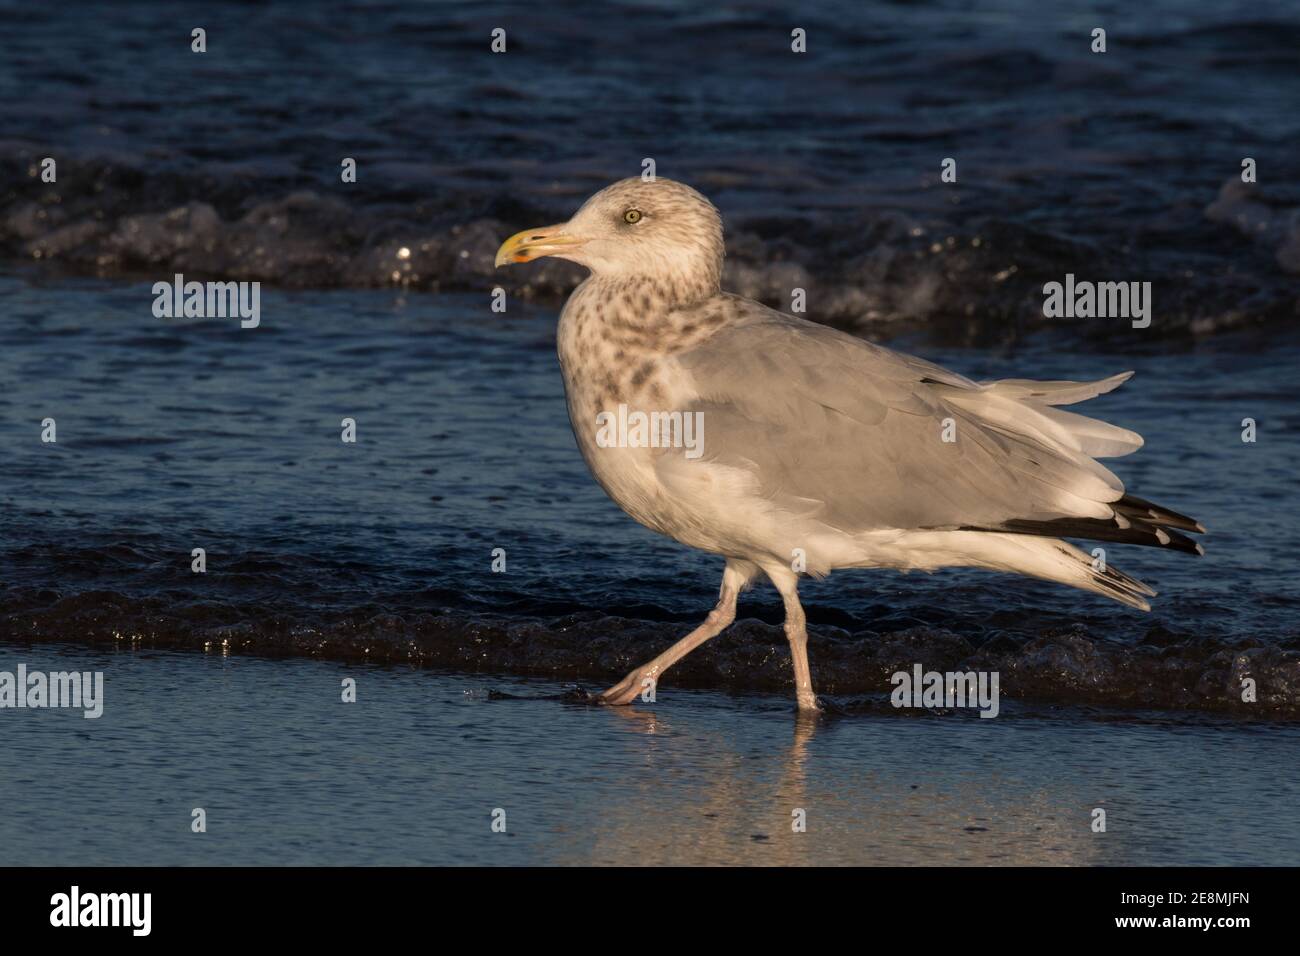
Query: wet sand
{"type": "Point", "coordinates": [412, 772]}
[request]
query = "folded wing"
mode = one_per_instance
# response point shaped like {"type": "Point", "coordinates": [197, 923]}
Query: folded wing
{"type": "Point", "coordinates": [865, 438]}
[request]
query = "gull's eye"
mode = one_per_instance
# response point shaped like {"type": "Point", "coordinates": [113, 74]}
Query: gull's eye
{"type": "Point", "coordinates": [632, 216]}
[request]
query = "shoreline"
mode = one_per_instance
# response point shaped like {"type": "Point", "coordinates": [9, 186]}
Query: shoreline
{"type": "Point", "coordinates": [853, 673]}
{"type": "Point", "coordinates": [412, 772]}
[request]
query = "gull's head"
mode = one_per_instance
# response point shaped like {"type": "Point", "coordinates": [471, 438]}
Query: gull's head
{"type": "Point", "coordinates": [660, 229]}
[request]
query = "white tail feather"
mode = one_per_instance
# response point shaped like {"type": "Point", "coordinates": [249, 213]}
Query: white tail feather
{"type": "Point", "coordinates": [1057, 393]}
{"type": "Point", "coordinates": [1048, 558]}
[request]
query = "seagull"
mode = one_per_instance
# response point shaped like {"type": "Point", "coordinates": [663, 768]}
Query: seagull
{"type": "Point", "coordinates": [812, 450]}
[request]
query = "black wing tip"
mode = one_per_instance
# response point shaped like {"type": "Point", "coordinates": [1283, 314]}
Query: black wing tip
{"type": "Point", "coordinates": [1135, 521]}
{"type": "Point", "coordinates": [1098, 529]}
{"type": "Point", "coordinates": [1131, 506]}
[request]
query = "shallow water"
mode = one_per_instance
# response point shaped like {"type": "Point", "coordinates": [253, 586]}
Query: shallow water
{"type": "Point", "coordinates": [412, 772]}
{"type": "Point", "coordinates": [177, 434]}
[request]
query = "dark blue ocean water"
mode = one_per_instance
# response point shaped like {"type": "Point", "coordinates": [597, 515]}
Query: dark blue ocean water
{"type": "Point", "coordinates": [177, 434]}
{"type": "Point", "coordinates": [826, 164]}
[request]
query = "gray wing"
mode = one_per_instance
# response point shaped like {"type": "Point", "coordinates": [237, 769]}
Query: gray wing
{"type": "Point", "coordinates": [835, 427]}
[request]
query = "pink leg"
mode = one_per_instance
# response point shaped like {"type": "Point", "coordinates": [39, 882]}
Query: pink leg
{"type": "Point", "coordinates": [647, 675]}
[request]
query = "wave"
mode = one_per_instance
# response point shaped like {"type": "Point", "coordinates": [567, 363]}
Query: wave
{"type": "Point", "coordinates": [979, 278]}
{"type": "Point", "coordinates": [1064, 665]}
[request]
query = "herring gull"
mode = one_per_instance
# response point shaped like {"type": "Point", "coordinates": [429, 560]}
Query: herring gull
{"type": "Point", "coordinates": [814, 449]}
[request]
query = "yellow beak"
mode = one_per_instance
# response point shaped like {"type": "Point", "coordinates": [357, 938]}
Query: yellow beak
{"type": "Point", "coordinates": [535, 243]}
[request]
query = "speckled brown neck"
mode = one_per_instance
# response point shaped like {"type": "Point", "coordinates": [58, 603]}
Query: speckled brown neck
{"type": "Point", "coordinates": [614, 333]}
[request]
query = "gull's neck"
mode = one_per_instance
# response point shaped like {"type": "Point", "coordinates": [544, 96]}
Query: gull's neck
{"type": "Point", "coordinates": [649, 297]}
{"type": "Point", "coordinates": [623, 319]}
